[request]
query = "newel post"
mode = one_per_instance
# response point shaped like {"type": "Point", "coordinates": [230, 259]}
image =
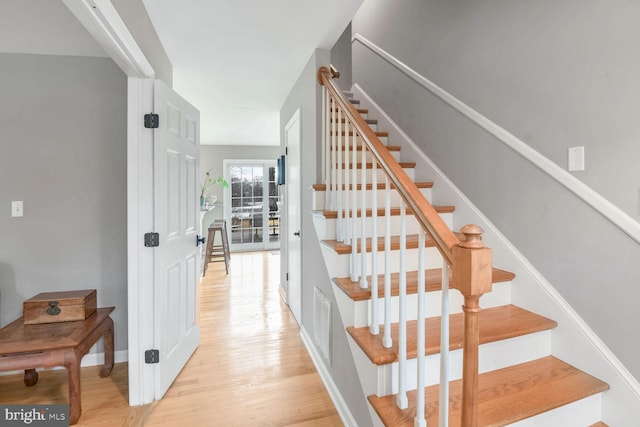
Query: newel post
{"type": "Point", "coordinates": [472, 273]}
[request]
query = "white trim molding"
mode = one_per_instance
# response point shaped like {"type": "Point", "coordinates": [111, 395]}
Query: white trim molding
{"type": "Point", "coordinates": [341, 406]}
{"type": "Point", "coordinates": [608, 210]}
{"type": "Point", "coordinates": [102, 21]}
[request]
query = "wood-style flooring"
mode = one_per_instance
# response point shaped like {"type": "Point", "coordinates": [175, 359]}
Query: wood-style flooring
{"type": "Point", "coordinates": [251, 368]}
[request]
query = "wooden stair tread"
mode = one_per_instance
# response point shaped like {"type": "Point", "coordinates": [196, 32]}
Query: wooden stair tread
{"type": "Point", "coordinates": [496, 324]}
{"type": "Point", "coordinates": [381, 212]}
{"type": "Point", "coordinates": [380, 186]}
{"type": "Point", "coordinates": [506, 395]}
{"type": "Point", "coordinates": [367, 121]}
{"type": "Point", "coordinates": [379, 134]}
{"type": "Point", "coordinates": [369, 165]}
{"type": "Point", "coordinates": [433, 282]}
{"type": "Point", "coordinates": [599, 424]}
{"type": "Point", "coordinates": [342, 147]}
{"type": "Point", "coordinates": [359, 110]}
{"type": "Point", "coordinates": [412, 243]}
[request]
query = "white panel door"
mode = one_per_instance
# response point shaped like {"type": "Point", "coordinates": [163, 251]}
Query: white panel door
{"type": "Point", "coordinates": [294, 202]}
{"type": "Point", "coordinates": [176, 216]}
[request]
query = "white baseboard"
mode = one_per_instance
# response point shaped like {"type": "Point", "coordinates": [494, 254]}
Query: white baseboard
{"type": "Point", "coordinates": [332, 389]}
{"type": "Point", "coordinates": [91, 359]}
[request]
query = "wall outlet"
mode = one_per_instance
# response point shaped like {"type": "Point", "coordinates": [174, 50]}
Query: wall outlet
{"type": "Point", "coordinates": [576, 159]}
{"type": "Point", "coordinates": [17, 209]}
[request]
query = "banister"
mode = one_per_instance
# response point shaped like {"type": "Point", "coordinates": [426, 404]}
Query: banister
{"type": "Point", "coordinates": [469, 259]}
{"type": "Point", "coordinates": [424, 213]}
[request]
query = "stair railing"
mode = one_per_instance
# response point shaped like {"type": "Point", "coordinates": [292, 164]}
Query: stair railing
{"type": "Point", "coordinates": [465, 259]}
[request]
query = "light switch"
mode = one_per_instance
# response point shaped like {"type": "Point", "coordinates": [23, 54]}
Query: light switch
{"type": "Point", "coordinates": [17, 208]}
{"type": "Point", "coordinates": [576, 159]}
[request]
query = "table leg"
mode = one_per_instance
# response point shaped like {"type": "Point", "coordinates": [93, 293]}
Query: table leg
{"type": "Point", "coordinates": [105, 371]}
{"type": "Point", "coordinates": [30, 377]}
{"type": "Point", "coordinates": [72, 364]}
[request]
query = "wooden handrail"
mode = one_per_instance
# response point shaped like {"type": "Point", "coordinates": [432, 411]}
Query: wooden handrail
{"type": "Point", "coordinates": [470, 260]}
{"type": "Point", "coordinates": [424, 213]}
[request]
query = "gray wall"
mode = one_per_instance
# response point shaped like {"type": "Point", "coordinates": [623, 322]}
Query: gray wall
{"type": "Point", "coordinates": [306, 95]}
{"type": "Point", "coordinates": [341, 59]}
{"type": "Point", "coordinates": [212, 156]}
{"type": "Point", "coordinates": [135, 16]}
{"type": "Point", "coordinates": [555, 74]}
{"type": "Point", "coordinates": [63, 142]}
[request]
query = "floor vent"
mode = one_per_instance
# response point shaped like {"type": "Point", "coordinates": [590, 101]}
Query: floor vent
{"type": "Point", "coordinates": [322, 323]}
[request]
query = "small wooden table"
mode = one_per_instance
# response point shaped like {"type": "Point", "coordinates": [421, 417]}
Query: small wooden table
{"type": "Point", "coordinates": [57, 344]}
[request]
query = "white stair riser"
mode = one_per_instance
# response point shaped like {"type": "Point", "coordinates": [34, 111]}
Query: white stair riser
{"type": "Point", "coordinates": [373, 126]}
{"type": "Point", "coordinates": [584, 412]}
{"type": "Point", "coordinates": [412, 226]}
{"type": "Point", "coordinates": [334, 115]}
{"type": "Point", "coordinates": [368, 155]}
{"type": "Point", "coordinates": [319, 198]}
{"type": "Point", "coordinates": [338, 265]}
{"type": "Point", "coordinates": [359, 314]}
{"type": "Point", "coordinates": [342, 140]}
{"type": "Point", "coordinates": [383, 380]}
{"type": "Point", "coordinates": [410, 173]}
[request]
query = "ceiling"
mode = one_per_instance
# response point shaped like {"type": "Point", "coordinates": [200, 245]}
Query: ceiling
{"type": "Point", "coordinates": [237, 60]}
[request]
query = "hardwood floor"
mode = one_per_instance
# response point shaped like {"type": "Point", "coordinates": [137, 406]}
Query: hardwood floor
{"type": "Point", "coordinates": [251, 368]}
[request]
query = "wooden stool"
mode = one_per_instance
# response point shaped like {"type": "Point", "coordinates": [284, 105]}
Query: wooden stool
{"type": "Point", "coordinates": [215, 252]}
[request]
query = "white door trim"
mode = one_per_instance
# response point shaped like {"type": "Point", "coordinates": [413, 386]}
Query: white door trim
{"type": "Point", "coordinates": [104, 23]}
{"type": "Point", "coordinates": [141, 273]}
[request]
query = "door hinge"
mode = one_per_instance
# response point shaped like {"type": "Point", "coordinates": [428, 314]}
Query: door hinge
{"type": "Point", "coordinates": [152, 240]}
{"type": "Point", "coordinates": [151, 121]}
{"type": "Point", "coordinates": [286, 150]}
{"type": "Point", "coordinates": [152, 356]}
{"type": "Point", "coordinates": [287, 277]}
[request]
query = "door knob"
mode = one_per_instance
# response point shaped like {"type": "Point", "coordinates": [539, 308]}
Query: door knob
{"type": "Point", "coordinates": [199, 240]}
{"type": "Point", "coordinates": [297, 233]}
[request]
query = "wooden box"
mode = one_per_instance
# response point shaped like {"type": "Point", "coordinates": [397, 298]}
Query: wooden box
{"type": "Point", "coordinates": [51, 307]}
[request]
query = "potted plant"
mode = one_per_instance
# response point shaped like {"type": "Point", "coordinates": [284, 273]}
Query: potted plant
{"type": "Point", "coordinates": [209, 180]}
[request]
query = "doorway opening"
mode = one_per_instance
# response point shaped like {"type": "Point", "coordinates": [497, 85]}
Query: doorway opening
{"type": "Point", "coordinates": [255, 201]}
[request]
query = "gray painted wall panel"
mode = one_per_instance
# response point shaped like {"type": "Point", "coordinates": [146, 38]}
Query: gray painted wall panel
{"type": "Point", "coordinates": [63, 152]}
{"type": "Point", "coordinates": [555, 75]}
{"type": "Point", "coordinates": [306, 95]}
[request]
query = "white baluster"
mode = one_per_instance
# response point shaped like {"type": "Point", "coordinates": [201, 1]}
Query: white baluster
{"type": "Point", "coordinates": [340, 138]}
{"type": "Point", "coordinates": [375, 323]}
{"type": "Point", "coordinates": [419, 420]}
{"type": "Point", "coordinates": [347, 217]}
{"type": "Point", "coordinates": [363, 221]}
{"type": "Point", "coordinates": [444, 348]}
{"type": "Point", "coordinates": [327, 145]}
{"type": "Point", "coordinates": [332, 203]}
{"type": "Point", "coordinates": [401, 398]}
{"type": "Point", "coordinates": [387, 341]}
{"type": "Point", "coordinates": [354, 211]}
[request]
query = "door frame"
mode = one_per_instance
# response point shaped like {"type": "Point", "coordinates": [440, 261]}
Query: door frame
{"type": "Point", "coordinates": [226, 203]}
{"type": "Point", "coordinates": [103, 22]}
{"type": "Point", "coordinates": [296, 117]}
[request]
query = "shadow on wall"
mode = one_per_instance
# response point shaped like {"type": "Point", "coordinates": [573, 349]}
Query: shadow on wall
{"type": "Point", "coordinates": [8, 292]}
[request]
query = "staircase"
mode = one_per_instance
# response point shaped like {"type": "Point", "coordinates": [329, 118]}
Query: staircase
{"type": "Point", "coordinates": [394, 299]}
